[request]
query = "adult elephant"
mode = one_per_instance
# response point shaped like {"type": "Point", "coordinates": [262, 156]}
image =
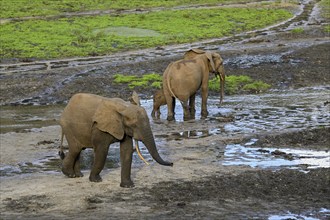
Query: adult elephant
{"type": "Point", "coordinates": [182, 79]}
{"type": "Point", "coordinates": [94, 121]}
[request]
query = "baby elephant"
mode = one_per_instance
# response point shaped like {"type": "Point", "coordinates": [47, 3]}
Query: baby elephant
{"type": "Point", "coordinates": [159, 100]}
{"type": "Point", "coordinates": [96, 122]}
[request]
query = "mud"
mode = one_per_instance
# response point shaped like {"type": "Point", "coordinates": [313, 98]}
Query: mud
{"type": "Point", "coordinates": [287, 123]}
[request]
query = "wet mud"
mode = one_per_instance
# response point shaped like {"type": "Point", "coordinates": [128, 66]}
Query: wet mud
{"type": "Point", "coordinates": [258, 156]}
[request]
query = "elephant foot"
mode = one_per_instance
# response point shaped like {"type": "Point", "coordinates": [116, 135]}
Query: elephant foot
{"type": "Point", "coordinates": [186, 118]}
{"type": "Point", "coordinates": [170, 118]}
{"type": "Point", "coordinates": [127, 184]}
{"type": "Point", "coordinates": [79, 174]}
{"type": "Point", "coordinates": [204, 114]}
{"type": "Point", "coordinates": [96, 178]}
{"type": "Point", "coordinates": [68, 174]}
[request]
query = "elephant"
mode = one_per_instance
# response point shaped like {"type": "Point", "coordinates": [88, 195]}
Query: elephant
{"type": "Point", "coordinates": [183, 78]}
{"type": "Point", "coordinates": [158, 100]}
{"type": "Point", "coordinates": [92, 121]}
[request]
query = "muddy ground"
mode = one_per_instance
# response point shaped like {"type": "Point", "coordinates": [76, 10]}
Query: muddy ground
{"type": "Point", "coordinates": [198, 186]}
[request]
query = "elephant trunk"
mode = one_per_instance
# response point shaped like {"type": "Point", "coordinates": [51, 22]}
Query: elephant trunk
{"type": "Point", "coordinates": [149, 142]}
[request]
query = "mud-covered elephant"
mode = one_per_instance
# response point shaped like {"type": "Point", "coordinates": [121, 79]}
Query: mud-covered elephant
{"type": "Point", "coordinates": [183, 78]}
{"type": "Point", "coordinates": [93, 121]}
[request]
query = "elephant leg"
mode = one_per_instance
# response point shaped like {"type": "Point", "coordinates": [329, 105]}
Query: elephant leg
{"type": "Point", "coordinates": [76, 168]}
{"type": "Point", "coordinates": [170, 109]}
{"type": "Point", "coordinates": [69, 162]}
{"type": "Point", "coordinates": [192, 106]}
{"type": "Point", "coordinates": [204, 101]}
{"type": "Point", "coordinates": [173, 106]}
{"type": "Point", "coordinates": [126, 153]}
{"type": "Point", "coordinates": [186, 110]}
{"type": "Point", "coordinates": [101, 142]}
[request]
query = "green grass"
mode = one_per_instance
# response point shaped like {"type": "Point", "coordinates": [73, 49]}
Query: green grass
{"type": "Point", "coordinates": [297, 30]}
{"type": "Point", "coordinates": [90, 36]}
{"type": "Point", "coordinates": [327, 28]}
{"type": "Point", "coordinates": [239, 84]}
{"type": "Point", "coordinates": [325, 8]}
{"type": "Point", "coordinates": [233, 84]}
{"type": "Point", "coordinates": [152, 80]}
{"type": "Point", "coordinates": [325, 13]}
{"type": "Point", "coordinates": [24, 8]}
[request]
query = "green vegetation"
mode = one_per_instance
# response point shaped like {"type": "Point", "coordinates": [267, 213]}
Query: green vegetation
{"type": "Point", "coordinates": [23, 8]}
{"type": "Point", "coordinates": [233, 84]}
{"type": "Point", "coordinates": [325, 8]}
{"type": "Point", "coordinates": [327, 28]}
{"type": "Point", "coordinates": [101, 35]}
{"type": "Point", "coordinates": [297, 30]}
{"type": "Point", "coordinates": [239, 84]}
{"type": "Point", "coordinates": [152, 80]}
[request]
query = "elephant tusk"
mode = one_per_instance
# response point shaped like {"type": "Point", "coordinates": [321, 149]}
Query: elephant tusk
{"type": "Point", "coordinates": [139, 153]}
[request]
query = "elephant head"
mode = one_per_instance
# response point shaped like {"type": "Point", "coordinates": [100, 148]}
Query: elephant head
{"type": "Point", "coordinates": [120, 118]}
{"type": "Point", "coordinates": [215, 65]}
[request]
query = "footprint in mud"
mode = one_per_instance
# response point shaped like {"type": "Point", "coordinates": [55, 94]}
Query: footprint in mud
{"type": "Point", "coordinates": [27, 203]}
{"type": "Point", "coordinates": [92, 202]}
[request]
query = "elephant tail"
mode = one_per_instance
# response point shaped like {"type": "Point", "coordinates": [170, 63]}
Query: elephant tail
{"type": "Point", "coordinates": [169, 84]}
{"type": "Point", "coordinates": [61, 152]}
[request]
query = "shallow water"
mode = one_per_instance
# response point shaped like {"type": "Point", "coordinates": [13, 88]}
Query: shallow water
{"type": "Point", "coordinates": [276, 158]}
{"type": "Point", "coordinates": [302, 108]}
{"type": "Point", "coordinates": [247, 114]}
{"type": "Point", "coordinates": [293, 216]}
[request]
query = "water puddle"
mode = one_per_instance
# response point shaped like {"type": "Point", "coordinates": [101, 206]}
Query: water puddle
{"type": "Point", "coordinates": [190, 134]}
{"type": "Point", "coordinates": [25, 118]}
{"type": "Point", "coordinates": [52, 163]}
{"type": "Point", "coordinates": [239, 155]}
{"type": "Point", "coordinates": [293, 216]}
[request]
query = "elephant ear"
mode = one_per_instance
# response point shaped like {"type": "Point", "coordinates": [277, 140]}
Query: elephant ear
{"type": "Point", "coordinates": [108, 120]}
{"type": "Point", "coordinates": [210, 58]}
{"type": "Point", "coordinates": [190, 54]}
{"type": "Point", "coordinates": [135, 99]}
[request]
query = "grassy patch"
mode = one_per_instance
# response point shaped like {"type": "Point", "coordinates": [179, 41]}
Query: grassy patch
{"type": "Point", "coordinates": [23, 8]}
{"type": "Point", "coordinates": [91, 36]}
{"type": "Point", "coordinates": [239, 84]}
{"type": "Point", "coordinates": [325, 8]}
{"type": "Point", "coordinates": [152, 80]}
{"type": "Point", "coordinates": [297, 30]}
{"type": "Point", "coordinates": [233, 84]}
